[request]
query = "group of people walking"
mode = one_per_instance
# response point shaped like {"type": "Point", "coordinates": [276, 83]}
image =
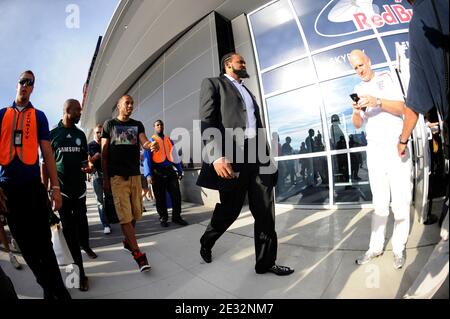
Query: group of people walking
{"type": "Point", "coordinates": [58, 183]}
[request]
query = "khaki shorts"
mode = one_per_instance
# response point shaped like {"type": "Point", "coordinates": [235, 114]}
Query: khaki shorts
{"type": "Point", "coordinates": [127, 198]}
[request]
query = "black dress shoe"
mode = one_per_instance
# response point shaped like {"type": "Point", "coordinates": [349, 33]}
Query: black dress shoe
{"type": "Point", "coordinates": [277, 270]}
{"type": "Point", "coordinates": [206, 254]}
{"type": "Point", "coordinates": [90, 252]}
{"type": "Point", "coordinates": [164, 223]}
{"type": "Point", "coordinates": [179, 221]}
{"type": "Point", "coordinates": [84, 284]}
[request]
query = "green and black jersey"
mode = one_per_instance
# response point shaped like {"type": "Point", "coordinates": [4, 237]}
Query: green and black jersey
{"type": "Point", "coordinates": [70, 149]}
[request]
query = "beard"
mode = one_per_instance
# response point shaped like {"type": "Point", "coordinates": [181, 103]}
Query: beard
{"type": "Point", "coordinates": [242, 73]}
{"type": "Point", "coordinates": [22, 99]}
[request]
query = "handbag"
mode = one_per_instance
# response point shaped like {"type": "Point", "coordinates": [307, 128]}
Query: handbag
{"type": "Point", "coordinates": [109, 208]}
{"type": "Point", "coordinates": [62, 252]}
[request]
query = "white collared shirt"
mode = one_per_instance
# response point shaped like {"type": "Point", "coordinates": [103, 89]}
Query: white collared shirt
{"type": "Point", "coordinates": [250, 123]}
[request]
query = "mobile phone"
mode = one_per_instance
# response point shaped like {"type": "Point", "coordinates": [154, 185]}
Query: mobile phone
{"type": "Point", "coordinates": [355, 99]}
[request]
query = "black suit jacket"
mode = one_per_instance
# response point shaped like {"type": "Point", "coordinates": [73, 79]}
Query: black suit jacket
{"type": "Point", "coordinates": [222, 109]}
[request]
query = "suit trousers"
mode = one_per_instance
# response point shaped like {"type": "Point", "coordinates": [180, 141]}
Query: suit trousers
{"type": "Point", "coordinates": [28, 220]}
{"type": "Point", "coordinates": [261, 203]}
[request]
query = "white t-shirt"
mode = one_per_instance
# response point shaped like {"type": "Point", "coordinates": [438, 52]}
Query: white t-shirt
{"type": "Point", "coordinates": [381, 127]}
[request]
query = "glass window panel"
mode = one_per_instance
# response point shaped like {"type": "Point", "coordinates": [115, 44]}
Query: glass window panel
{"type": "Point", "coordinates": [327, 22]}
{"type": "Point", "coordinates": [333, 63]}
{"type": "Point", "coordinates": [401, 39]}
{"type": "Point", "coordinates": [296, 115]}
{"type": "Point", "coordinates": [351, 178]}
{"type": "Point", "coordinates": [338, 106]}
{"type": "Point", "coordinates": [292, 75]}
{"type": "Point", "coordinates": [276, 34]}
{"type": "Point", "coordinates": [303, 181]}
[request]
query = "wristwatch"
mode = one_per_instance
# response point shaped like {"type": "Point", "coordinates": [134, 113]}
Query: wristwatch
{"type": "Point", "coordinates": [401, 142]}
{"type": "Point", "coordinates": [378, 102]}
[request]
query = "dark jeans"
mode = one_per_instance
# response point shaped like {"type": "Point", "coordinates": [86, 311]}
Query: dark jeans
{"type": "Point", "coordinates": [28, 220]}
{"type": "Point", "coordinates": [97, 183]}
{"type": "Point", "coordinates": [167, 180]}
{"type": "Point", "coordinates": [261, 202]}
{"type": "Point", "coordinates": [73, 218]}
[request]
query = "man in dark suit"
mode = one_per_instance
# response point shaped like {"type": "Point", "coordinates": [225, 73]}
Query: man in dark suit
{"type": "Point", "coordinates": [230, 116]}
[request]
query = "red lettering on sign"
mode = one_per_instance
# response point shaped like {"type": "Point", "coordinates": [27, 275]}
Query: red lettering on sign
{"type": "Point", "coordinates": [403, 14]}
{"type": "Point", "coordinates": [360, 20]}
{"type": "Point", "coordinates": [392, 14]}
{"type": "Point", "coordinates": [377, 21]}
{"type": "Point", "coordinates": [389, 16]}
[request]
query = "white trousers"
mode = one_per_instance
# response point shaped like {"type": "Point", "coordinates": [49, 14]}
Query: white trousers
{"type": "Point", "coordinates": [390, 181]}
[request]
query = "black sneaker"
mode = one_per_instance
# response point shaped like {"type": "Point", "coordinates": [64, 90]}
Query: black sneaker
{"type": "Point", "coordinates": [179, 221]}
{"type": "Point", "coordinates": [141, 260]}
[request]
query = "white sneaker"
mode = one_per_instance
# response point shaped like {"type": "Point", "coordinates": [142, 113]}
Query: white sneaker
{"type": "Point", "coordinates": [14, 245]}
{"type": "Point", "coordinates": [107, 230]}
{"type": "Point", "coordinates": [399, 261]}
{"type": "Point", "coordinates": [14, 262]}
{"type": "Point", "coordinates": [368, 256]}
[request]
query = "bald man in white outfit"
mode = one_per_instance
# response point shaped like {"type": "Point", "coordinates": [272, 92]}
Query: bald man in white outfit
{"type": "Point", "coordinates": [380, 108]}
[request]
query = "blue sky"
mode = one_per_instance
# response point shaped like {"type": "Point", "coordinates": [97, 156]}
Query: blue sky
{"type": "Point", "coordinates": [45, 37]}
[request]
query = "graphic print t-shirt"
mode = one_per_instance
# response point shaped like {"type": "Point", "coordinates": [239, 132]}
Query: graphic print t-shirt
{"type": "Point", "coordinates": [124, 146]}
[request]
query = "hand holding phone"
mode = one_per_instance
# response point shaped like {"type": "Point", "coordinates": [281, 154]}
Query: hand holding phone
{"type": "Point", "coordinates": [355, 99]}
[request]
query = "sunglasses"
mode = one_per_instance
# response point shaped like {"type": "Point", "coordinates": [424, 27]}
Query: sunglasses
{"type": "Point", "coordinates": [26, 82]}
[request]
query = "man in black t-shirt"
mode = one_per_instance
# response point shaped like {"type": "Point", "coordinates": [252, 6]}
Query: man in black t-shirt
{"type": "Point", "coordinates": [95, 150]}
{"type": "Point", "coordinates": [121, 140]}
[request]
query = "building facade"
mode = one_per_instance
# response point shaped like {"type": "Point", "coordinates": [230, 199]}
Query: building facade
{"type": "Point", "coordinates": [297, 57]}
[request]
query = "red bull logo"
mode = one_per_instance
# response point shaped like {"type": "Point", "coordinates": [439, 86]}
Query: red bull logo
{"type": "Point", "coordinates": [392, 14]}
{"type": "Point", "coordinates": [354, 16]}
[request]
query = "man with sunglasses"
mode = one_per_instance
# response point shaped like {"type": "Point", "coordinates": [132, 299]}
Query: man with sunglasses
{"type": "Point", "coordinates": [23, 129]}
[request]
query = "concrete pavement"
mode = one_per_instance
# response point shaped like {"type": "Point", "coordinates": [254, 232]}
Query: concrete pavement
{"type": "Point", "coordinates": [321, 245]}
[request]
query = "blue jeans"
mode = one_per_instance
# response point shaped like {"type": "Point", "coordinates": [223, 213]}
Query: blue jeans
{"type": "Point", "coordinates": [97, 183]}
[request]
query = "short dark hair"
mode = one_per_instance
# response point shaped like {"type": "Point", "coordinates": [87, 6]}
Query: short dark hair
{"type": "Point", "coordinates": [225, 59]}
{"type": "Point", "coordinates": [30, 73]}
{"type": "Point", "coordinates": [124, 96]}
{"type": "Point", "coordinates": [70, 102]}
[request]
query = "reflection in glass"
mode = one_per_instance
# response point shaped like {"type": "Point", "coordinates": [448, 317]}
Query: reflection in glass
{"type": "Point", "coordinates": [338, 106]}
{"type": "Point", "coordinates": [276, 34]}
{"type": "Point", "coordinates": [303, 181]}
{"type": "Point", "coordinates": [351, 178]}
{"type": "Point", "coordinates": [332, 63]}
{"type": "Point", "coordinates": [296, 114]}
{"type": "Point", "coordinates": [288, 77]}
{"type": "Point", "coordinates": [400, 39]}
